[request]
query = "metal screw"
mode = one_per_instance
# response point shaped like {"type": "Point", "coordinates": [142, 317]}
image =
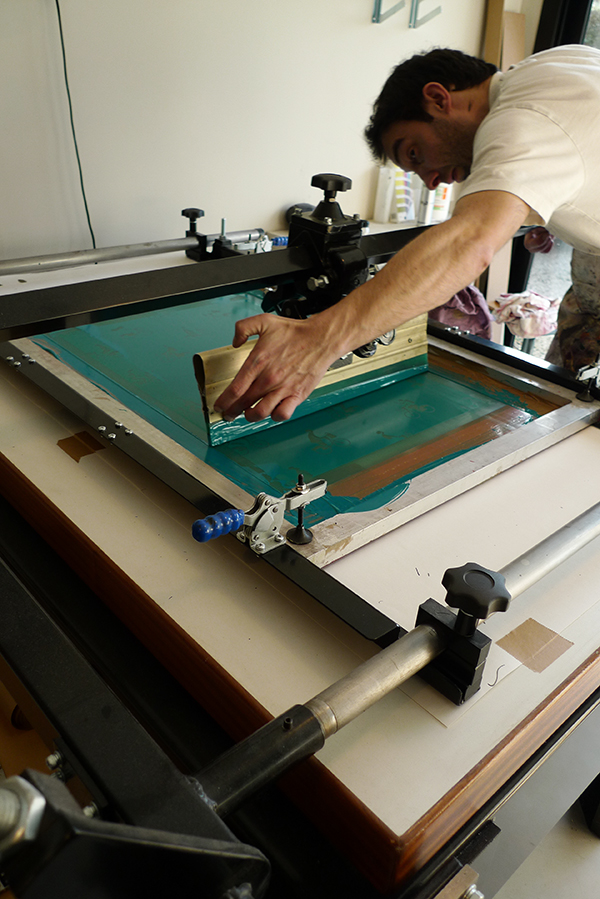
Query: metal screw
{"type": "Point", "coordinates": [317, 281]}
{"type": "Point", "coordinates": [259, 547]}
{"type": "Point", "coordinates": [473, 893]}
{"type": "Point", "coordinates": [118, 424]}
{"type": "Point", "coordinates": [10, 359]}
{"type": "Point", "coordinates": [102, 429]}
{"type": "Point", "coordinates": [128, 431]}
{"type": "Point", "coordinates": [54, 760]}
{"type": "Point", "coordinates": [91, 810]}
{"type": "Point", "coordinates": [111, 436]}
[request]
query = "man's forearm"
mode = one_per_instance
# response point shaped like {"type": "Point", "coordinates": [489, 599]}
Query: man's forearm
{"type": "Point", "coordinates": [291, 356]}
{"type": "Point", "coordinates": [426, 273]}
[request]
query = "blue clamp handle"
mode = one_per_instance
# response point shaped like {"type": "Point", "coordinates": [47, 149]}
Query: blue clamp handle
{"type": "Point", "coordinates": [216, 525]}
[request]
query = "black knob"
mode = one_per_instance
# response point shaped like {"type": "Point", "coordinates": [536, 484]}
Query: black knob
{"type": "Point", "coordinates": [331, 183]}
{"type": "Point", "coordinates": [476, 592]}
{"type": "Point", "coordinates": [192, 213]}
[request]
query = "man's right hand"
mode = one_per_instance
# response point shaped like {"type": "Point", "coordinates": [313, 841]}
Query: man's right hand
{"type": "Point", "coordinates": [288, 361]}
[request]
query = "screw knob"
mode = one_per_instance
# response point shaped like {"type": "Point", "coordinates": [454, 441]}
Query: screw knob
{"type": "Point", "coordinates": [476, 592]}
{"type": "Point", "coordinates": [192, 213]}
{"type": "Point", "coordinates": [331, 183]}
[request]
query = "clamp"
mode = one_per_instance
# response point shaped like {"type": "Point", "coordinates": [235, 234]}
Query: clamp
{"type": "Point", "coordinates": [260, 527]}
{"type": "Point", "coordinates": [589, 377]}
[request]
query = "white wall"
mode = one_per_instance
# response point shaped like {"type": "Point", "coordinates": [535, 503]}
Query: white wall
{"type": "Point", "coordinates": [231, 105]}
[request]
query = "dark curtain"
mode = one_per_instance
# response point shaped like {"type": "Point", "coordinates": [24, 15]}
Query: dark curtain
{"type": "Point", "coordinates": [562, 22]}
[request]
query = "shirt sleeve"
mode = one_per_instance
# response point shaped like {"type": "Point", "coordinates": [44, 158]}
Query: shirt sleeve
{"type": "Point", "coordinates": [523, 152]}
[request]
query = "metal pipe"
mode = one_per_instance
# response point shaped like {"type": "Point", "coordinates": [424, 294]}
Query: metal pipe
{"type": "Point", "coordinates": [302, 730]}
{"type": "Point", "coordinates": [537, 562]}
{"type": "Point", "coordinates": [55, 261]}
{"type": "Point", "coordinates": [343, 701]}
{"type": "Point", "coordinates": [30, 264]}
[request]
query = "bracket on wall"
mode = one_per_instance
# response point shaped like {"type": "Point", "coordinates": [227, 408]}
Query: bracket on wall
{"type": "Point", "coordinates": [379, 16]}
{"type": "Point", "coordinates": [414, 21]}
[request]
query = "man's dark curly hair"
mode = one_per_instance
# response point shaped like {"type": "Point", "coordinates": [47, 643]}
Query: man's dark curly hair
{"type": "Point", "coordinates": [401, 99]}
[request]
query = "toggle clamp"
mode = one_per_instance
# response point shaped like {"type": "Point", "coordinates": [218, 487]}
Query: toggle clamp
{"type": "Point", "coordinates": [260, 527]}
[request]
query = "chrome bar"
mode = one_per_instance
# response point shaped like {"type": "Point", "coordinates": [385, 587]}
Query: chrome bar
{"type": "Point", "coordinates": [537, 562]}
{"type": "Point", "coordinates": [55, 261]}
{"type": "Point", "coordinates": [29, 264]}
{"type": "Point", "coordinates": [343, 701]}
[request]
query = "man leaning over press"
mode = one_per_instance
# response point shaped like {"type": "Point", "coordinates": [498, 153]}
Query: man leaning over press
{"type": "Point", "coordinates": [524, 146]}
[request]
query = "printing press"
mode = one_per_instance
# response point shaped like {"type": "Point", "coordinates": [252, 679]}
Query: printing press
{"type": "Point", "coordinates": [395, 627]}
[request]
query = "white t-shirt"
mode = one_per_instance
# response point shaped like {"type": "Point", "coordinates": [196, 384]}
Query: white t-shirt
{"type": "Point", "coordinates": [541, 142]}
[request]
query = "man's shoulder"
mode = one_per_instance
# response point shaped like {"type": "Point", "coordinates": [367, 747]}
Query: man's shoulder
{"type": "Point", "coordinates": [562, 63]}
{"type": "Point", "coordinates": [549, 80]}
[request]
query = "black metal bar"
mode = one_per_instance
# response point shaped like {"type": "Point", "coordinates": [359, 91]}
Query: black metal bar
{"type": "Point", "coordinates": [69, 305]}
{"type": "Point", "coordinates": [340, 600]}
{"type": "Point", "coordinates": [507, 355]}
{"type": "Point", "coordinates": [255, 762]}
{"type": "Point", "coordinates": [379, 247]}
{"type": "Point", "coordinates": [156, 699]}
{"type": "Point", "coordinates": [73, 699]}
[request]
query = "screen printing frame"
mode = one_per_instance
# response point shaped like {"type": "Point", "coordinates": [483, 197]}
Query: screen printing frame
{"type": "Point", "coordinates": [107, 294]}
{"type": "Point", "coordinates": [210, 491]}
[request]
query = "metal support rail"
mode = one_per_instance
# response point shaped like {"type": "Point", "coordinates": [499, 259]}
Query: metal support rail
{"type": "Point", "coordinates": [537, 562]}
{"type": "Point", "coordinates": [55, 261]}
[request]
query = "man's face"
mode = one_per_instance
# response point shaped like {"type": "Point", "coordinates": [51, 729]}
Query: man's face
{"type": "Point", "coordinates": [438, 151]}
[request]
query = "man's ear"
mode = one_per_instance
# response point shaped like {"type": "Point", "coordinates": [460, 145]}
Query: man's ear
{"type": "Point", "coordinates": [436, 99]}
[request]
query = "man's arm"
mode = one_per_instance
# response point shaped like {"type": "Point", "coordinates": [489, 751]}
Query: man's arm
{"type": "Point", "coordinates": [291, 356]}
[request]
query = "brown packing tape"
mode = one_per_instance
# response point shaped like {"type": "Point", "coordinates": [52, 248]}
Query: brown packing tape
{"type": "Point", "coordinates": [80, 444]}
{"type": "Point", "coordinates": [215, 369]}
{"type": "Point", "coordinates": [535, 645]}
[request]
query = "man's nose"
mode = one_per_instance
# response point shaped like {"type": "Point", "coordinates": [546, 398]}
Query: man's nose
{"type": "Point", "coordinates": [431, 180]}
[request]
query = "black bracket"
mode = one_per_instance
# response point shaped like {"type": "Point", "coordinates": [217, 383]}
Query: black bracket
{"type": "Point", "coordinates": [200, 252]}
{"type": "Point", "coordinates": [333, 241]}
{"type": "Point", "coordinates": [477, 593]}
